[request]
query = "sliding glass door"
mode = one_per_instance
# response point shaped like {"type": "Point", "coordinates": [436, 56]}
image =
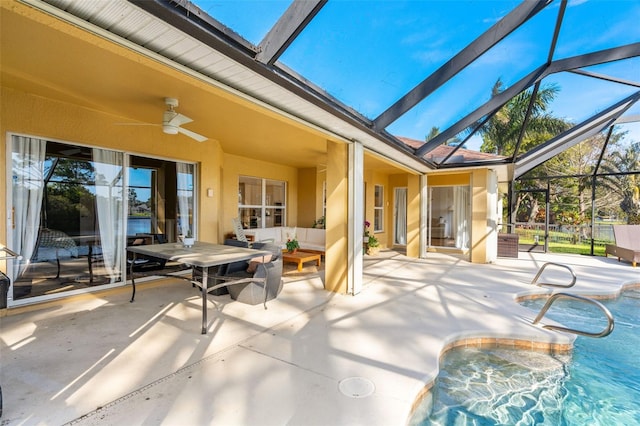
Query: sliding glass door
{"type": "Point", "coordinates": [73, 212]}
{"type": "Point", "coordinates": [161, 198]}
{"type": "Point", "coordinates": [67, 216]}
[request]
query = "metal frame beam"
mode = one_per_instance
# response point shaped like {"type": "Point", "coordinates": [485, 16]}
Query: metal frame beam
{"type": "Point", "coordinates": [490, 107]}
{"type": "Point", "coordinates": [635, 118]}
{"type": "Point", "coordinates": [491, 37]}
{"type": "Point", "coordinates": [606, 77]}
{"type": "Point", "coordinates": [525, 122]}
{"type": "Point", "coordinates": [573, 136]}
{"type": "Point", "coordinates": [595, 58]}
{"type": "Point", "coordinates": [289, 26]}
{"type": "Point", "coordinates": [496, 102]}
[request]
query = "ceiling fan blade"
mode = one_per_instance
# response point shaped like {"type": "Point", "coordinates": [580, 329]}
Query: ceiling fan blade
{"type": "Point", "coordinates": [173, 118]}
{"type": "Point", "coordinates": [135, 124]}
{"type": "Point", "coordinates": [192, 135]}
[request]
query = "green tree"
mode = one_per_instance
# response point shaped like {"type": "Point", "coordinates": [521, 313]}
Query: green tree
{"type": "Point", "coordinates": [435, 131]}
{"type": "Point", "coordinates": [501, 132]}
{"type": "Point", "coordinates": [620, 168]}
{"type": "Point", "coordinates": [68, 201]}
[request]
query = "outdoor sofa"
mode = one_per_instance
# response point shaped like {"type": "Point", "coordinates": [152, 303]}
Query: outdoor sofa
{"type": "Point", "coordinates": [309, 239]}
{"type": "Point", "coordinates": [627, 244]}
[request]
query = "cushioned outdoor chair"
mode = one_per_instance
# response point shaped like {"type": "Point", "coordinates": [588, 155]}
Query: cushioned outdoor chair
{"type": "Point", "coordinates": [220, 270]}
{"type": "Point", "coordinates": [236, 243]}
{"type": "Point", "coordinates": [257, 281]}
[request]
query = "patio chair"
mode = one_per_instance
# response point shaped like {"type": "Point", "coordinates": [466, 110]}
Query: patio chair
{"type": "Point", "coordinates": [53, 245]}
{"type": "Point", "coordinates": [627, 245]}
{"type": "Point", "coordinates": [256, 281]}
{"type": "Point", "coordinates": [221, 270]}
{"type": "Point", "coordinates": [145, 263]}
{"type": "Point", "coordinates": [239, 231]}
{"type": "Point", "coordinates": [236, 243]}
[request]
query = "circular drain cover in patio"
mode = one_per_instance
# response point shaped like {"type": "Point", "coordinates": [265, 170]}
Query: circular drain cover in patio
{"type": "Point", "coordinates": [356, 387]}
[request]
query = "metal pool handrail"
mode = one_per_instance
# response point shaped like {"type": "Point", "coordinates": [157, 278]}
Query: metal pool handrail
{"type": "Point", "coordinates": [603, 308]}
{"type": "Point", "coordinates": [542, 268]}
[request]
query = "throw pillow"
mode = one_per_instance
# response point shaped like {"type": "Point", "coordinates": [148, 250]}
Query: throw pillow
{"type": "Point", "coordinates": [253, 263]}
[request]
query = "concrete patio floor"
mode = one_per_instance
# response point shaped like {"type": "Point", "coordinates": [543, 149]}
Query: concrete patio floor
{"type": "Point", "coordinates": [312, 358]}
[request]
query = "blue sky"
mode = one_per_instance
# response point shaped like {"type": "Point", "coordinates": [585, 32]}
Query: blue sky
{"type": "Point", "coordinates": [368, 54]}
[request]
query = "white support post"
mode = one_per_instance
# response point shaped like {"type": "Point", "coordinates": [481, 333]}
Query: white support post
{"type": "Point", "coordinates": [356, 217]}
{"type": "Point", "coordinates": [424, 211]}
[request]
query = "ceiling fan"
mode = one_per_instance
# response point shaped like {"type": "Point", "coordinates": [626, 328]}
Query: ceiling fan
{"type": "Point", "coordinates": [172, 122]}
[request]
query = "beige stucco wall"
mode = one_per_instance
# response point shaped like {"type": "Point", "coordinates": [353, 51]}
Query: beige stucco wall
{"type": "Point", "coordinates": [337, 218]}
{"type": "Point", "coordinates": [483, 217]}
{"type": "Point", "coordinates": [306, 196]}
{"type": "Point", "coordinates": [413, 215]}
{"type": "Point", "coordinates": [453, 178]}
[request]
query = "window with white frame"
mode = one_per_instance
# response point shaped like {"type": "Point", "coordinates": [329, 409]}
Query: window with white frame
{"type": "Point", "coordinates": [261, 202]}
{"type": "Point", "coordinates": [378, 208]}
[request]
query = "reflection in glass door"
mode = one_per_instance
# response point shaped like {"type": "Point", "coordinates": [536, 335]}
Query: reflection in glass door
{"type": "Point", "coordinates": [69, 210]}
{"type": "Point", "coordinates": [161, 199]}
{"type": "Point", "coordinates": [449, 213]}
{"type": "Point", "coordinates": [67, 217]}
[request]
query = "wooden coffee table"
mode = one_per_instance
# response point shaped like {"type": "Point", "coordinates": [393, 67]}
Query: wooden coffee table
{"type": "Point", "coordinates": [300, 257]}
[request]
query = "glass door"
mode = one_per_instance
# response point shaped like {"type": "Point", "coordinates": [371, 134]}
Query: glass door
{"type": "Point", "coordinates": [400, 216]}
{"type": "Point", "coordinates": [161, 199]}
{"type": "Point", "coordinates": [75, 208]}
{"type": "Point", "coordinates": [449, 214]}
{"type": "Point", "coordinates": [67, 217]}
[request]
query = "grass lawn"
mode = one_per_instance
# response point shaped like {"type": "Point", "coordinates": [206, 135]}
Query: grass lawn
{"type": "Point", "coordinates": [567, 247]}
{"type": "Point", "coordinates": [598, 250]}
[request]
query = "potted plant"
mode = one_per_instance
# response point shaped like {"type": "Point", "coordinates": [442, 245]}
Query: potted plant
{"type": "Point", "coordinates": [188, 239]}
{"type": "Point", "coordinates": [365, 238]}
{"type": "Point", "coordinates": [319, 223]}
{"type": "Point", "coordinates": [373, 246]}
{"type": "Point", "coordinates": [292, 245]}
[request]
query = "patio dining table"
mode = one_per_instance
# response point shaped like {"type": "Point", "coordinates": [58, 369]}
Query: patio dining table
{"type": "Point", "coordinates": [200, 255]}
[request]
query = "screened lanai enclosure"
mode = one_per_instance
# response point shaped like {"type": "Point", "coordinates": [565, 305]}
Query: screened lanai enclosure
{"type": "Point", "coordinates": [544, 91]}
{"type": "Point", "coordinates": [548, 89]}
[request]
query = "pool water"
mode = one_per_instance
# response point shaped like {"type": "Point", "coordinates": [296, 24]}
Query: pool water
{"type": "Point", "coordinates": [598, 384]}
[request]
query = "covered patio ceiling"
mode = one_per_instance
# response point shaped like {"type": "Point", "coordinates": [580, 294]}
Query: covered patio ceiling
{"type": "Point", "coordinates": [214, 52]}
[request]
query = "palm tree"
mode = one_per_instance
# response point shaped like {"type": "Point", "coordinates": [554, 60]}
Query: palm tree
{"type": "Point", "coordinates": [501, 132]}
{"type": "Point", "coordinates": [435, 131]}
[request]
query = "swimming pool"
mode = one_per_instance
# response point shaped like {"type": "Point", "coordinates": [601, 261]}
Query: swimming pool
{"type": "Point", "coordinates": [598, 384]}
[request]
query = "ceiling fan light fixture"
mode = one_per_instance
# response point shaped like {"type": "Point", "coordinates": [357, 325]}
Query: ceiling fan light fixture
{"type": "Point", "coordinates": [169, 129]}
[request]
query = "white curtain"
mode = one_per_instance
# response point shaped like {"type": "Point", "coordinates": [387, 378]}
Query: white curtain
{"type": "Point", "coordinates": [185, 194]}
{"type": "Point", "coordinates": [461, 216]}
{"type": "Point", "coordinates": [108, 167]}
{"type": "Point", "coordinates": [401, 216]}
{"type": "Point", "coordinates": [27, 173]}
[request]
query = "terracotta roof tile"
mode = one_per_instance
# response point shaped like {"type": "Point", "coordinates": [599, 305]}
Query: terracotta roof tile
{"type": "Point", "coordinates": [462, 155]}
